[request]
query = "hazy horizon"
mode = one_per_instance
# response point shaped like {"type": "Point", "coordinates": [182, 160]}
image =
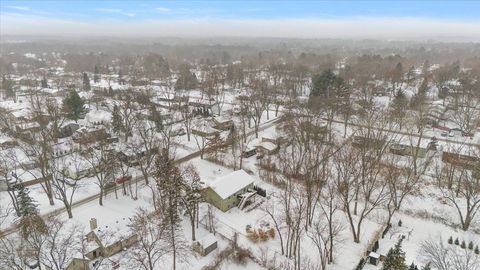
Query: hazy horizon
{"type": "Point", "coordinates": [414, 20]}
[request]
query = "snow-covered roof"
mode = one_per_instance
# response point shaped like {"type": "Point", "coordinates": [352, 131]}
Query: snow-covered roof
{"type": "Point", "coordinates": [227, 185]}
{"type": "Point", "coordinates": [114, 232]}
{"type": "Point", "coordinates": [267, 145]}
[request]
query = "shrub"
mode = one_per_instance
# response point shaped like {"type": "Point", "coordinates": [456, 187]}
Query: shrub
{"type": "Point", "coordinates": [450, 240]}
{"type": "Point", "coordinates": [477, 251]}
{"type": "Point", "coordinates": [400, 223]}
{"type": "Point", "coordinates": [470, 245]}
{"type": "Point", "coordinates": [360, 264]}
{"type": "Point", "coordinates": [463, 245]}
{"type": "Point", "coordinates": [253, 236]}
{"type": "Point", "coordinates": [263, 236]}
{"type": "Point", "coordinates": [241, 256]}
{"type": "Point", "coordinates": [457, 242]}
{"type": "Point", "coordinates": [271, 232]}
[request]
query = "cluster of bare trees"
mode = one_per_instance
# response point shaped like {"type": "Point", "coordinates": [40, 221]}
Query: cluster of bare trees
{"type": "Point", "coordinates": [327, 183]}
{"type": "Point", "coordinates": [441, 256]}
{"type": "Point", "coordinates": [48, 242]}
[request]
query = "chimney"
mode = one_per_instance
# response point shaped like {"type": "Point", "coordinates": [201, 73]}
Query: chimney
{"type": "Point", "coordinates": [93, 224]}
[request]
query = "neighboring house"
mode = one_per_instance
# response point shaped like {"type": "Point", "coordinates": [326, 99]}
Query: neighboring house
{"type": "Point", "coordinates": [28, 127]}
{"type": "Point", "coordinates": [462, 160]}
{"type": "Point", "coordinates": [105, 241]}
{"type": "Point", "coordinates": [204, 129]}
{"type": "Point", "coordinates": [268, 146]}
{"type": "Point", "coordinates": [408, 150]}
{"type": "Point", "coordinates": [90, 135]}
{"type": "Point", "coordinates": [79, 264]}
{"type": "Point", "coordinates": [206, 244]}
{"type": "Point", "coordinates": [222, 123]}
{"type": "Point", "coordinates": [7, 143]}
{"type": "Point", "coordinates": [369, 143]}
{"type": "Point", "coordinates": [225, 192]}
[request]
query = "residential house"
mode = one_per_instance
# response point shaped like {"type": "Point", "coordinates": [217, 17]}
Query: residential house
{"type": "Point", "coordinates": [225, 192]}
{"type": "Point", "coordinates": [90, 135]}
{"type": "Point", "coordinates": [108, 240]}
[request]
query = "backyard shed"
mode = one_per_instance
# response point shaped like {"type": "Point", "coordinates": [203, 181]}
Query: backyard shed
{"type": "Point", "coordinates": [206, 245]}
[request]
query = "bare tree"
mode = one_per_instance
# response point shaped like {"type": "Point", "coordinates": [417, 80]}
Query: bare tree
{"type": "Point", "coordinates": [443, 257]}
{"type": "Point", "coordinates": [191, 196]}
{"type": "Point", "coordinates": [152, 235]}
{"type": "Point", "coordinates": [461, 189]}
{"type": "Point", "coordinates": [127, 109]}
{"type": "Point", "coordinates": [102, 165]}
{"type": "Point", "coordinates": [65, 187]}
{"type": "Point", "coordinates": [61, 244]}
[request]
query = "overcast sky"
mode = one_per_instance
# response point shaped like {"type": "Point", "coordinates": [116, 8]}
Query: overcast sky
{"type": "Point", "coordinates": [449, 20]}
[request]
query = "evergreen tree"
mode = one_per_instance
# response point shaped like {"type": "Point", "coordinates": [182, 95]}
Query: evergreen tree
{"type": "Point", "coordinates": [157, 119]}
{"type": "Point", "coordinates": [86, 82]}
{"type": "Point", "coordinates": [96, 75]}
{"type": "Point", "coordinates": [322, 84]}
{"type": "Point", "coordinates": [117, 121]}
{"type": "Point", "coordinates": [74, 106]}
{"type": "Point", "coordinates": [120, 76]}
{"type": "Point", "coordinates": [27, 206]}
{"type": "Point", "coordinates": [186, 79]}
{"type": "Point", "coordinates": [400, 101]}
{"type": "Point", "coordinates": [422, 90]}
{"type": "Point", "coordinates": [395, 259]}
{"type": "Point", "coordinates": [44, 82]}
{"type": "Point", "coordinates": [7, 87]}
{"type": "Point", "coordinates": [413, 267]}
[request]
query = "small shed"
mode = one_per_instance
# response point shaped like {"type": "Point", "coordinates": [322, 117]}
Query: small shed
{"type": "Point", "coordinates": [373, 258]}
{"type": "Point", "coordinates": [206, 245]}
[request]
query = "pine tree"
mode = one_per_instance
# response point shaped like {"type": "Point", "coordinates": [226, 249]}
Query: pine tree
{"type": "Point", "coordinates": [27, 206]}
{"type": "Point", "coordinates": [74, 106]}
{"type": "Point", "coordinates": [117, 121]}
{"type": "Point", "coordinates": [44, 82]}
{"type": "Point", "coordinates": [96, 75]}
{"type": "Point", "coordinates": [7, 86]}
{"type": "Point", "coordinates": [86, 82]}
{"type": "Point", "coordinates": [395, 259]}
{"type": "Point", "coordinates": [422, 90]}
{"type": "Point", "coordinates": [120, 75]}
{"type": "Point", "coordinates": [412, 267]}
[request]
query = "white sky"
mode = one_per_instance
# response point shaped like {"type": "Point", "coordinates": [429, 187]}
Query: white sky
{"type": "Point", "coordinates": [379, 28]}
